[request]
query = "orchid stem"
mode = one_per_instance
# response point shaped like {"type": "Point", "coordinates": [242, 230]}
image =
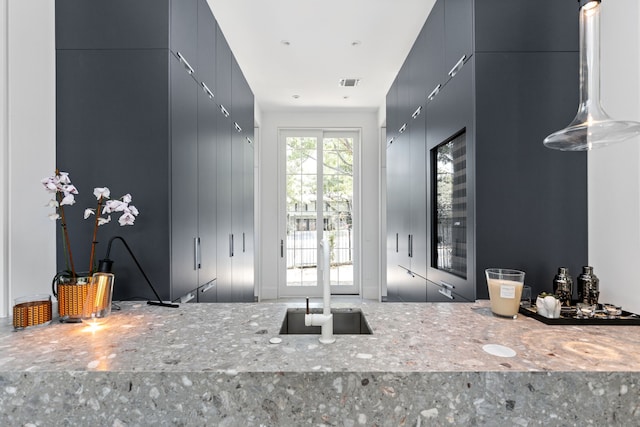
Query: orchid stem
{"type": "Point", "coordinates": [95, 235]}
{"type": "Point", "coordinates": [66, 235]}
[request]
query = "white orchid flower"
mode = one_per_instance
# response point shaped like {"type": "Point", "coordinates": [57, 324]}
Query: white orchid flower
{"type": "Point", "coordinates": [132, 209]}
{"type": "Point", "coordinates": [101, 192]}
{"type": "Point", "coordinates": [119, 206]}
{"type": "Point", "coordinates": [88, 212]}
{"type": "Point", "coordinates": [126, 219]}
{"type": "Point", "coordinates": [63, 178]}
{"type": "Point", "coordinates": [126, 198]}
{"type": "Point", "coordinates": [68, 200]}
{"type": "Point", "coordinates": [103, 220]}
{"type": "Point", "coordinates": [69, 189]}
{"type": "Point", "coordinates": [50, 186]}
{"type": "Point", "coordinates": [53, 216]}
{"type": "Point", "coordinates": [53, 203]}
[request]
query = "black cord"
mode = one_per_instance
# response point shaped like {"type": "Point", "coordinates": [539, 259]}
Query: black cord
{"type": "Point", "coordinates": [106, 263]}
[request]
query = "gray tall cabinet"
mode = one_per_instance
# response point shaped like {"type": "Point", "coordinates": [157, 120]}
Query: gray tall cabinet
{"type": "Point", "coordinates": [142, 109]}
{"type": "Point", "coordinates": [484, 83]}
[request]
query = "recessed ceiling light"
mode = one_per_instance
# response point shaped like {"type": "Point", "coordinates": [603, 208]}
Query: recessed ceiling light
{"type": "Point", "coordinates": [295, 96]}
{"type": "Point", "coordinates": [345, 97]}
{"type": "Point", "coordinates": [349, 82]}
{"type": "Point", "coordinates": [356, 43]}
{"type": "Point", "coordinates": [285, 42]}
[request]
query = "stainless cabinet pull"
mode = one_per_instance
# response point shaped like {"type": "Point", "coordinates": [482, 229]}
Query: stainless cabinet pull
{"type": "Point", "coordinates": [281, 248]}
{"type": "Point", "coordinates": [208, 287]}
{"type": "Point", "coordinates": [243, 243]}
{"type": "Point", "coordinates": [458, 65]}
{"type": "Point", "coordinates": [249, 140]}
{"type": "Point", "coordinates": [224, 111]}
{"type": "Point", "coordinates": [187, 297]}
{"type": "Point", "coordinates": [186, 63]}
{"type": "Point", "coordinates": [397, 246]}
{"type": "Point", "coordinates": [409, 246]}
{"type": "Point", "coordinates": [403, 128]}
{"type": "Point", "coordinates": [447, 286]}
{"type": "Point", "coordinates": [417, 112]}
{"type": "Point", "coordinates": [237, 126]}
{"type": "Point", "coordinates": [391, 140]}
{"type": "Point", "coordinates": [206, 90]}
{"type": "Point", "coordinates": [231, 245]}
{"type": "Point", "coordinates": [434, 92]}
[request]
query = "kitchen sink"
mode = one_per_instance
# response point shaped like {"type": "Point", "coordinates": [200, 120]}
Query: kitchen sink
{"type": "Point", "coordinates": [346, 321]}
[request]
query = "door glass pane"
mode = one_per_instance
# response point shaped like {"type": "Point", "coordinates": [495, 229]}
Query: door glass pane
{"type": "Point", "coordinates": [302, 170]}
{"type": "Point", "coordinates": [451, 207]}
{"type": "Point", "coordinates": [337, 207]}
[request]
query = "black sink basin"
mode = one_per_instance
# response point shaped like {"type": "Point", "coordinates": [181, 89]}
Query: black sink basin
{"type": "Point", "coordinates": [346, 321]}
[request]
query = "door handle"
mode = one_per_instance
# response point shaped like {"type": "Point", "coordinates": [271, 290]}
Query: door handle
{"type": "Point", "coordinates": [231, 245]}
{"type": "Point", "coordinates": [281, 248]}
{"type": "Point", "coordinates": [206, 90]}
{"type": "Point", "coordinates": [244, 247]}
{"type": "Point", "coordinates": [397, 245]}
{"type": "Point", "coordinates": [434, 92]}
{"type": "Point", "coordinates": [409, 246]}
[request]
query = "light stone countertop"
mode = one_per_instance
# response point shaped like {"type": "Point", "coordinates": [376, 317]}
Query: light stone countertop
{"type": "Point", "coordinates": [212, 364]}
{"type": "Point", "coordinates": [407, 337]}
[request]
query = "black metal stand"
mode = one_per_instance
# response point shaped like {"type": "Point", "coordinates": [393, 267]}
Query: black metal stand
{"type": "Point", "coordinates": [106, 264]}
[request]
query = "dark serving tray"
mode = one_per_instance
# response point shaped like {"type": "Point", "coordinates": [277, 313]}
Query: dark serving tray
{"type": "Point", "coordinates": [627, 318]}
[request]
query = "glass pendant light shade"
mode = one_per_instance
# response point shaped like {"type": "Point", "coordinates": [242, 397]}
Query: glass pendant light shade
{"type": "Point", "coordinates": [592, 127]}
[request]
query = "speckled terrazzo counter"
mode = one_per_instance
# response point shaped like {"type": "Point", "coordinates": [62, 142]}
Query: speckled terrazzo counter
{"type": "Point", "coordinates": [212, 364]}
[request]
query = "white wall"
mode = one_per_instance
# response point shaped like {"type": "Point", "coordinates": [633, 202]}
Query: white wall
{"type": "Point", "coordinates": [614, 175]}
{"type": "Point", "coordinates": [28, 148]}
{"type": "Point", "coordinates": [369, 167]}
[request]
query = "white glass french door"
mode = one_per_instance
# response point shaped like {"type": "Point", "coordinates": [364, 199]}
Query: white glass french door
{"type": "Point", "coordinates": [318, 199]}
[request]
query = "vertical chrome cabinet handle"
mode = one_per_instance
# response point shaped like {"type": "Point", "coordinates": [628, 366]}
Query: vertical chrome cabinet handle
{"type": "Point", "coordinates": [281, 248]}
{"type": "Point", "coordinates": [186, 63]}
{"type": "Point", "coordinates": [195, 253]}
{"type": "Point", "coordinates": [224, 111]}
{"type": "Point", "coordinates": [409, 245]}
{"type": "Point", "coordinates": [237, 126]}
{"type": "Point", "coordinates": [457, 67]}
{"type": "Point", "coordinates": [417, 112]}
{"type": "Point", "coordinates": [199, 254]}
{"type": "Point", "coordinates": [397, 245]}
{"type": "Point", "coordinates": [402, 128]}
{"type": "Point", "coordinates": [231, 244]}
{"type": "Point", "coordinates": [244, 247]}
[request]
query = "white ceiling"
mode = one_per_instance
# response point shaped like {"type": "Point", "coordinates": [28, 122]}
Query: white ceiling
{"type": "Point", "coordinates": [321, 34]}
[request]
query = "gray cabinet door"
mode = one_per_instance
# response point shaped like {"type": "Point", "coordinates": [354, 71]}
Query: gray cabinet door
{"type": "Point", "coordinates": [394, 171]}
{"type": "Point", "coordinates": [184, 180]}
{"type": "Point", "coordinates": [392, 111]}
{"type": "Point", "coordinates": [458, 31]}
{"type": "Point", "coordinates": [110, 117]}
{"type": "Point", "coordinates": [184, 30]}
{"type": "Point", "coordinates": [433, 37]}
{"type": "Point", "coordinates": [418, 197]}
{"type": "Point", "coordinates": [448, 115]}
{"type": "Point", "coordinates": [206, 45]}
{"type": "Point", "coordinates": [544, 223]}
{"type": "Point", "coordinates": [113, 24]}
{"type": "Point", "coordinates": [526, 26]}
{"type": "Point", "coordinates": [207, 187]}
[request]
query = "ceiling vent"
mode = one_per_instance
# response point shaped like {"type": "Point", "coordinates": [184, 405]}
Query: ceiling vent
{"type": "Point", "coordinates": [349, 82]}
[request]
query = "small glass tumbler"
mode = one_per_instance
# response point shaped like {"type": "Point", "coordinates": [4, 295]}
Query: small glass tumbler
{"type": "Point", "coordinates": [525, 299]}
{"type": "Point", "coordinates": [585, 311]}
